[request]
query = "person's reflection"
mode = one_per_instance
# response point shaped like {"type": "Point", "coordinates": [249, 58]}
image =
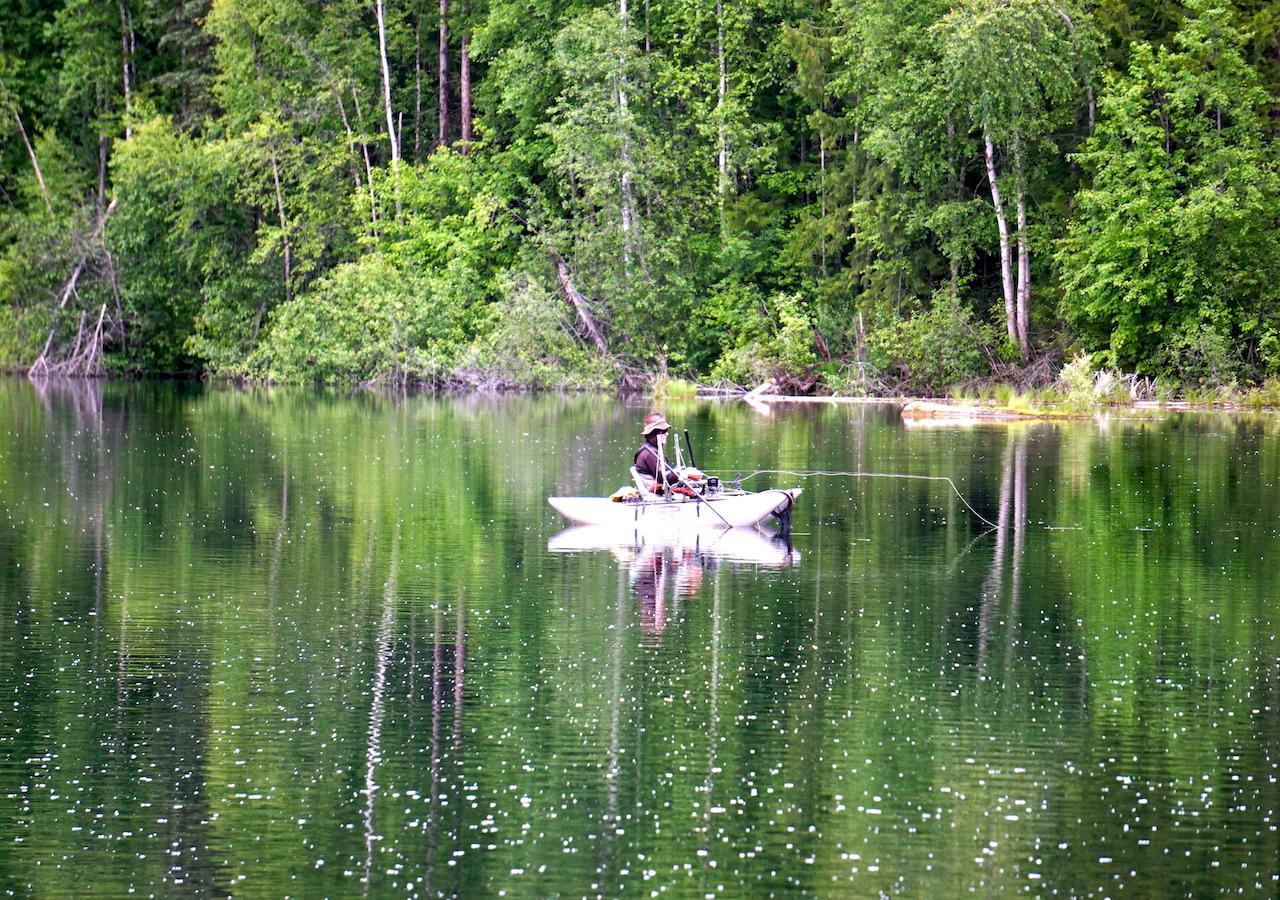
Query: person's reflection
{"type": "Point", "coordinates": [662, 580]}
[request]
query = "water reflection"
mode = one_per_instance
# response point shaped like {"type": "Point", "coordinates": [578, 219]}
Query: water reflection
{"type": "Point", "coordinates": [275, 642]}
{"type": "Point", "coordinates": [1010, 546]}
{"type": "Point", "coordinates": [663, 571]}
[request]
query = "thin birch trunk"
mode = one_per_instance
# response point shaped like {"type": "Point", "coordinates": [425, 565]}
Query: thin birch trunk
{"type": "Point", "coordinates": [959, 195]}
{"type": "Point", "coordinates": [1088, 82]}
{"type": "Point", "coordinates": [417, 89]}
{"type": "Point", "coordinates": [380, 11]}
{"type": "Point", "coordinates": [822, 188]}
{"type": "Point", "coordinates": [1023, 294]}
{"type": "Point", "coordinates": [103, 144]}
{"type": "Point", "coordinates": [721, 93]}
{"type": "Point", "coordinates": [628, 200]}
{"type": "Point", "coordinates": [368, 164]}
{"type": "Point", "coordinates": [351, 138]}
{"type": "Point", "coordinates": [1024, 279]}
{"type": "Point", "coordinates": [126, 57]}
{"type": "Point", "coordinates": [35, 162]}
{"type": "Point", "coordinates": [1006, 271]}
{"type": "Point", "coordinates": [442, 138]}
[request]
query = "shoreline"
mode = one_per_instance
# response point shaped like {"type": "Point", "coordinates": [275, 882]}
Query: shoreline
{"type": "Point", "coordinates": [915, 408]}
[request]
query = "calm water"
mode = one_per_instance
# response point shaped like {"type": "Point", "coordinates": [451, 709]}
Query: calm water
{"type": "Point", "coordinates": [274, 642]}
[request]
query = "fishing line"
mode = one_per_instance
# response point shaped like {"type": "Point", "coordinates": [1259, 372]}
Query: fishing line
{"type": "Point", "coordinates": [814, 474]}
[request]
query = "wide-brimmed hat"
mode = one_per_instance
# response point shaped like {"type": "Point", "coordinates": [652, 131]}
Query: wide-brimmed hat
{"type": "Point", "coordinates": [655, 422]}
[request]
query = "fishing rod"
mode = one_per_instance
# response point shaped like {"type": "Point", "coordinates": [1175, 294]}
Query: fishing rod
{"type": "Point", "coordinates": [665, 466]}
{"type": "Point", "coordinates": [739, 478]}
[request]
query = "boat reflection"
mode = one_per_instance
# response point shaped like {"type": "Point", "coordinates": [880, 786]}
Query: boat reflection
{"type": "Point", "coordinates": [708, 545]}
{"type": "Point", "coordinates": [666, 569]}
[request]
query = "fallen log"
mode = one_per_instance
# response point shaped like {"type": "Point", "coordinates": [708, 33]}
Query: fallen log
{"type": "Point", "coordinates": [580, 305]}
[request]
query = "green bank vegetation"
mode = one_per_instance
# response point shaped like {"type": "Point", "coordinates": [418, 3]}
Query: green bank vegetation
{"type": "Point", "coordinates": [860, 198]}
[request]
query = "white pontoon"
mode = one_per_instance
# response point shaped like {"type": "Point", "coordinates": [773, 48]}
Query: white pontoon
{"type": "Point", "coordinates": [735, 509]}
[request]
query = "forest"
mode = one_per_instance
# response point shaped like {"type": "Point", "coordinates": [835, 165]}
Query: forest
{"type": "Point", "coordinates": [855, 197]}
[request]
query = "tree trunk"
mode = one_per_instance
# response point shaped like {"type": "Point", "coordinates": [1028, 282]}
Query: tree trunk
{"type": "Point", "coordinates": [417, 89]}
{"type": "Point", "coordinates": [465, 74]}
{"type": "Point", "coordinates": [1088, 82]}
{"type": "Point", "coordinates": [103, 145]}
{"type": "Point", "coordinates": [580, 305]}
{"type": "Point", "coordinates": [351, 138]}
{"type": "Point", "coordinates": [1024, 279]}
{"type": "Point", "coordinates": [442, 138]}
{"type": "Point", "coordinates": [126, 57]}
{"type": "Point", "coordinates": [1006, 271]}
{"type": "Point", "coordinates": [284, 231]}
{"type": "Point", "coordinates": [41, 364]}
{"type": "Point", "coordinates": [35, 162]}
{"type": "Point", "coordinates": [822, 189]}
{"type": "Point", "coordinates": [381, 14]}
{"type": "Point", "coordinates": [958, 172]}
{"type": "Point", "coordinates": [721, 92]}
{"type": "Point", "coordinates": [628, 199]}
{"type": "Point", "coordinates": [1023, 295]}
{"type": "Point", "coordinates": [368, 164]}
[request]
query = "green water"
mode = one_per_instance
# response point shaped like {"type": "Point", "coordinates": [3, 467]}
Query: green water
{"type": "Point", "coordinates": [274, 642]}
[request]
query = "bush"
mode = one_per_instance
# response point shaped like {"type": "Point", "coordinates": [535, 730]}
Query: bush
{"type": "Point", "coordinates": [1200, 355]}
{"type": "Point", "coordinates": [22, 334]}
{"type": "Point", "coordinates": [1265, 394]}
{"type": "Point", "coordinates": [933, 350]}
{"type": "Point", "coordinates": [666, 388]}
{"type": "Point", "coordinates": [366, 321]}
{"type": "Point", "coordinates": [529, 342]}
{"type": "Point", "coordinates": [1083, 382]}
{"type": "Point", "coordinates": [764, 347]}
{"type": "Point", "coordinates": [1076, 379]}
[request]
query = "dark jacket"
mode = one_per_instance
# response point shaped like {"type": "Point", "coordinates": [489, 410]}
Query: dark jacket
{"type": "Point", "coordinates": [647, 463]}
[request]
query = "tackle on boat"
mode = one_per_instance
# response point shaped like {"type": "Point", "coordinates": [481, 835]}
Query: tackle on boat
{"type": "Point", "coordinates": [665, 496]}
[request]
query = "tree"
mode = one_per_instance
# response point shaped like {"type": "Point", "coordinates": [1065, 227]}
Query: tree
{"type": "Point", "coordinates": [1179, 231]}
{"type": "Point", "coordinates": [1009, 69]}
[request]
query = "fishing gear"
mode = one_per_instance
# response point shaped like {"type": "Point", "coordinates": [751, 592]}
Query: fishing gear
{"type": "Point", "coordinates": [688, 443]}
{"type": "Point", "coordinates": [739, 478]}
{"type": "Point", "coordinates": [693, 491]}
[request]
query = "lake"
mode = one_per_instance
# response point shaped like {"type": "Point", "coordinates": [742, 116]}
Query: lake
{"type": "Point", "coordinates": [279, 642]}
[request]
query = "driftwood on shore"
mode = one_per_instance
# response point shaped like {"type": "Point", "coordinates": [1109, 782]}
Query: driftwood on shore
{"type": "Point", "coordinates": [927, 409]}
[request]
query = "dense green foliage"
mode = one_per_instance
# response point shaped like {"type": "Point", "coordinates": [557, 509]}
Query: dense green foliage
{"type": "Point", "coordinates": [718, 190]}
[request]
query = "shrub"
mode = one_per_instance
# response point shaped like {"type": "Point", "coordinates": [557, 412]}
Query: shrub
{"type": "Point", "coordinates": [933, 350]}
{"type": "Point", "coordinates": [366, 321]}
{"type": "Point", "coordinates": [1076, 379]}
{"type": "Point", "coordinates": [1199, 354]}
{"type": "Point", "coordinates": [529, 341]}
{"type": "Point", "coordinates": [1265, 394]}
{"type": "Point", "coordinates": [764, 347]}
{"type": "Point", "coordinates": [665, 388]}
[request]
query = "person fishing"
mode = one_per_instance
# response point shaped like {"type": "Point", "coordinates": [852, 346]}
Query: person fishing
{"type": "Point", "coordinates": [651, 459]}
